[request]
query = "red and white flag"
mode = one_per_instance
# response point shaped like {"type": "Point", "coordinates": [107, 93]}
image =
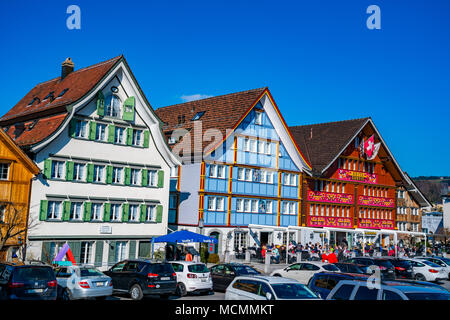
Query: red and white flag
{"type": "Point", "coordinates": [369, 146]}
{"type": "Point", "coordinates": [376, 147]}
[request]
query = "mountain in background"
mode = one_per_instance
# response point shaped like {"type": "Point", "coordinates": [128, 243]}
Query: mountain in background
{"type": "Point", "coordinates": [433, 187]}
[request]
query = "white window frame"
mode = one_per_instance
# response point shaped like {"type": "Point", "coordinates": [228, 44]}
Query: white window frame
{"type": "Point", "coordinates": [100, 132]}
{"type": "Point", "coordinates": [96, 211]}
{"type": "Point", "coordinates": [119, 135]}
{"type": "Point", "coordinates": [58, 168]}
{"type": "Point", "coordinates": [76, 211]}
{"type": "Point", "coordinates": [116, 212]}
{"type": "Point", "coordinates": [51, 213]}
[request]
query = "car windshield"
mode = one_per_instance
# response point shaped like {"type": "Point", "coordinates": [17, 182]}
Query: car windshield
{"type": "Point", "coordinates": [245, 270]}
{"type": "Point", "coordinates": [431, 264]}
{"type": "Point", "coordinates": [330, 267]}
{"type": "Point", "coordinates": [428, 296]}
{"type": "Point", "coordinates": [33, 273]}
{"type": "Point", "coordinates": [198, 268]}
{"type": "Point", "coordinates": [90, 272]}
{"type": "Point", "coordinates": [384, 263]}
{"type": "Point", "coordinates": [293, 291]}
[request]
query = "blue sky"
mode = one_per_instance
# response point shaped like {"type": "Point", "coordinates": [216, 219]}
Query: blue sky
{"type": "Point", "coordinates": [318, 59]}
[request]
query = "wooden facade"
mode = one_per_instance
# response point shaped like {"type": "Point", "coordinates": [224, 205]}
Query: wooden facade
{"type": "Point", "coordinates": [17, 170]}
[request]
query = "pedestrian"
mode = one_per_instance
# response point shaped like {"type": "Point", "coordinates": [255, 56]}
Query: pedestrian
{"type": "Point", "coordinates": [332, 258]}
{"type": "Point", "coordinates": [188, 256]}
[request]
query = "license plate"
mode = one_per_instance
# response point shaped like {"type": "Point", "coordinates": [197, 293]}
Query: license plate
{"type": "Point", "coordinates": [203, 280]}
{"type": "Point", "coordinates": [35, 290]}
{"type": "Point", "coordinates": [165, 278]}
{"type": "Point", "coordinates": [100, 284]}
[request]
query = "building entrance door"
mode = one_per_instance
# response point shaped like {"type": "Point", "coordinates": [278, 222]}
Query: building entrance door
{"type": "Point", "coordinates": [266, 238]}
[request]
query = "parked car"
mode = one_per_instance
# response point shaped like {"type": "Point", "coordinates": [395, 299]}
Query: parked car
{"type": "Point", "coordinates": [351, 267]}
{"type": "Point", "coordinates": [441, 261]}
{"type": "Point", "coordinates": [303, 271]}
{"type": "Point", "coordinates": [425, 270]}
{"type": "Point", "coordinates": [268, 288]}
{"type": "Point", "coordinates": [403, 268]}
{"type": "Point", "coordinates": [192, 277]}
{"type": "Point", "coordinates": [322, 283]}
{"type": "Point", "coordinates": [143, 277]}
{"type": "Point", "coordinates": [387, 269]}
{"type": "Point", "coordinates": [80, 282]}
{"type": "Point", "coordinates": [361, 290]}
{"type": "Point", "coordinates": [27, 282]}
{"type": "Point", "coordinates": [223, 274]}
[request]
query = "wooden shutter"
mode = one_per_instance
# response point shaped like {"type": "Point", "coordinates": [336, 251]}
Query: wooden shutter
{"type": "Point", "coordinates": [45, 253]}
{"type": "Point", "coordinates": [132, 250]}
{"type": "Point", "coordinates": [143, 212]}
{"type": "Point", "coordinates": [92, 130]}
{"type": "Point", "coordinates": [127, 176]}
{"type": "Point", "coordinates": [98, 253]}
{"type": "Point", "coordinates": [90, 172]}
{"type": "Point", "coordinates": [128, 109]}
{"type": "Point", "coordinates": [109, 174]}
{"type": "Point", "coordinates": [144, 176]}
{"type": "Point", "coordinates": [111, 133]}
{"type": "Point", "coordinates": [66, 210]}
{"type": "Point", "coordinates": [72, 127]}
{"type": "Point", "coordinates": [159, 213]}
{"type": "Point", "coordinates": [47, 168]}
{"type": "Point", "coordinates": [69, 170]}
{"type": "Point", "coordinates": [100, 104]}
{"type": "Point", "coordinates": [87, 211]}
{"type": "Point", "coordinates": [144, 249]}
{"type": "Point", "coordinates": [107, 212]}
{"type": "Point", "coordinates": [112, 252]}
{"type": "Point", "coordinates": [75, 247]}
{"type": "Point", "coordinates": [125, 212]}
{"type": "Point", "coordinates": [43, 210]}
{"type": "Point", "coordinates": [146, 138]}
{"type": "Point", "coordinates": [160, 179]}
{"type": "Point", "coordinates": [129, 136]}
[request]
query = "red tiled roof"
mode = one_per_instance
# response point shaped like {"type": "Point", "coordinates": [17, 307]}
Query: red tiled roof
{"type": "Point", "coordinates": [221, 113]}
{"type": "Point", "coordinates": [50, 114]}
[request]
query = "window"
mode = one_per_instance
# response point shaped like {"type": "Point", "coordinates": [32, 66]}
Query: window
{"type": "Point", "coordinates": [152, 178]}
{"type": "Point", "coordinates": [75, 211]}
{"type": "Point", "coordinates": [115, 212]}
{"type": "Point", "coordinates": [119, 136]}
{"type": "Point", "coordinates": [212, 170]}
{"type": "Point", "coordinates": [4, 170]}
{"type": "Point", "coordinates": [248, 174]}
{"type": "Point", "coordinates": [78, 171]}
{"type": "Point", "coordinates": [258, 118]}
{"type": "Point", "coordinates": [220, 204]}
{"type": "Point", "coordinates": [112, 106]}
{"type": "Point", "coordinates": [57, 170]}
{"type": "Point", "coordinates": [343, 293]}
{"type": "Point", "coordinates": [2, 214]}
{"type": "Point", "coordinates": [85, 253]}
{"type": "Point", "coordinates": [135, 176]}
{"type": "Point", "coordinates": [269, 205]}
{"type": "Point", "coordinates": [268, 148]}
{"type": "Point", "coordinates": [150, 215]}
{"type": "Point", "coordinates": [246, 144]}
{"type": "Point", "coordinates": [63, 92]}
{"type": "Point", "coordinates": [54, 210]}
{"type": "Point", "coordinates": [211, 203]}
{"type": "Point", "coordinates": [239, 205]}
{"type": "Point", "coordinates": [255, 206]}
{"type": "Point", "coordinates": [96, 211]}
{"type": "Point", "coordinates": [247, 205]}
{"type": "Point", "coordinates": [253, 145]}
{"type": "Point", "coordinates": [269, 177]}
{"type": "Point", "coordinates": [198, 115]}
{"type": "Point", "coordinates": [117, 175]}
{"type": "Point", "coordinates": [221, 171]}
{"type": "Point", "coordinates": [136, 141]}
{"type": "Point", "coordinates": [80, 129]}
{"type": "Point", "coordinates": [121, 247]}
{"type": "Point", "coordinates": [364, 293]}
{"type": "Point", "coordinates": [98, 173]}
{"type": "Point", "coordinates": [241, 173]}
{"type": "Point", "coordinates": [134, 212]}
{"type": "Point", "coordinates": [100, 134]}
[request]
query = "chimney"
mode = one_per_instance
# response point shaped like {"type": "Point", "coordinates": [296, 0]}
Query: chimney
{"type": "Point", "coordinates": [67, 67]}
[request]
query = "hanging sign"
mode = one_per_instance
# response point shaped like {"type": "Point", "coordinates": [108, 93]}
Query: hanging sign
{"type": "Point", "coordinates": [357, 176]}
{"type": "Point", "coordinates": [330, 197]}
{"type": "Point", "coordinates": [376, 201]}
{"type": "Point", "coordinates": [337, 222]}
{"type": "Point", "coordinates": [375, 224]}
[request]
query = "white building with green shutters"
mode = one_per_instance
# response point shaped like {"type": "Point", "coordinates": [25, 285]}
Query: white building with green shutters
{"type": "Point", "coordinates": [104, 186]}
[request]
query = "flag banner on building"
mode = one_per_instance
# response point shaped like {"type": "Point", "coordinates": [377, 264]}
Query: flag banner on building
{"type": "Point", "coordinates": [369, 146]}
{"type": "Point", "coordinates": [376, 148]}
{"type": "Point", "coordinates": [361, 147]}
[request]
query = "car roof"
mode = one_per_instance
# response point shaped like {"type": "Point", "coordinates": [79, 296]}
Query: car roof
{"type": "Point", "coordinates": [185, 262]}
{"type": "Point", "coordinates": [270, 279]}
{"type": "Point", "coordinates": [344, 274]}
{"type": "Point", "coordinates": [404, 287]}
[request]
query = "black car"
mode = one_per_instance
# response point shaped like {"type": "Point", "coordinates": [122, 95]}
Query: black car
{"type": "Point", "coordinates": [387, 269]}
{"type": "Point", "coordinates": [143, 277]}
{"type": "Point", "coordinates": [403, 268]}
{"type": "Point", "coordinates": [223, 274]}
{"type": "Point", "coordinates": [351, 267]}
{"type": "Point", "coordinates": [27, 282]}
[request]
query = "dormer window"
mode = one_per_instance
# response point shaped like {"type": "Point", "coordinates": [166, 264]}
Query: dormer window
{"type": "Point", "coordinates": [50, 96]}
{"type": "Point", "coordinates": [258, 118]}
{"type": "Point", "coordinates": [63, 92]}
{"type": "Point", "coordinates": [112, 106]}
{"type": "Point", "coordinates": [198, 115]}
{"type": "Point", "coordinates": [34, 100]}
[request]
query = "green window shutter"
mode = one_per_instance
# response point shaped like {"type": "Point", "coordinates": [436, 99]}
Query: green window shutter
{"type": "Point", "coordinates": [159, 213]}
{"type": "Point", "coordinates": [72, 127]}
{"type": "Point", "coordinates": [144, 176]}
{"type": "Point", "coordinates": [100, 104]}
{"type": "Point", "coordinates": [69, 170]}
{"type": "Point", "coordinates": [87, 211]}
{"type": "Point", "coordinates": [66, 211]}
{"type": "Point", "coordinates": [128, 109]}
{"type": "Point", "coordinates": [144, 249]}
{"type": "Point", "coordinates": [75, 247]}
{"type": "Point", "coordinates": [125, 212]}
{"type": "Point", "coordinates": [112, 252]}
{"type": "Point", "coordinates": [160, 179]}
{"type": "Point", "coordinates": [107, 212]}
{"type": "Point", "coordinates": [129, 136]}
{"type": "Point", "coordinates": [132, 249]}
{"type": "Point", "coordinates": [43, 211]}
{"type": "Point", "coordinates": [111, 133]}
{"type": "Point", "coordinates": [143, 212]}
{"type": "Point", "coordinates": [146, 138]}
{"type": "Point", "coordinates": [47, 168]}
{"type": "Point", "coordinates": [109, 174]}
{"type": "Point", "coordinates": [90, 172]}
{"type": "Point", "coordinates": [127, 176]}
{"type": "Point", "coordinates": [92, 130]}
{"type": "Point", "coordinates": [98, 253]}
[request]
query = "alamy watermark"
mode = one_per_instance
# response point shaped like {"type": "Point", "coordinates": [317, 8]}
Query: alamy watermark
{"type": "Point", "coordinates": [74, 20]}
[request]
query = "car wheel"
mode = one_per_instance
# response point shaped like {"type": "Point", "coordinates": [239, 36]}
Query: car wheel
{"type": "Point", "coordinates": [181, 289]}
{"type": "Point", "coordinates": [420, 277]}
{"type": "Point", "coordinates": [66, 295]}
{"type": "Point", "coordinates": [136, 292]}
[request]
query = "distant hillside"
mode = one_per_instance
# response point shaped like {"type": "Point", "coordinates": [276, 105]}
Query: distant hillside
{"type": "Point", "coordinates": [433, 187]}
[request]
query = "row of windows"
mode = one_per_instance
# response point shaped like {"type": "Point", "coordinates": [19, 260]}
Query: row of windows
{"type": "Point", "coordinates": [356, 165]}
{"type": "Point", "coordinates": [89, 172]}
{"type": "Point", "coordinates": [329, 210]}
{"type": "Point", "coordinates": [403, 226]}
{"type": "Point", "coordinates": [257, 146]}
{"type": "Point", "coordinates": [375, 191]}
{"type": "Point", "coordinates": [97, 212]}
{"type": "Point", "coordinates": [371, 213]}
{"type": "Point", "coordinates": [328, 186]}
{"type": "Point", "coordinates": [255, 175]}
{"type": "Point", "coordinates": [403, 210]}
{"type": "Point", "coordinates": [252, 205]}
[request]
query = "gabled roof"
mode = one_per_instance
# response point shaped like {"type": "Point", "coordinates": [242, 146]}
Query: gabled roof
{"type": "Point", "coordinates": [26, 161]}
{"type": "Point", "coordinates": [51, 113]}
{"type": "Point", "coordinates": [221, 112]}
{"type": "Point", "coordinates": [322, 142]}
{"type": "Point", "coordinates": [415, 192]}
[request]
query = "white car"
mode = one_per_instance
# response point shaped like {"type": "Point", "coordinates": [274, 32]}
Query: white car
{"type": "Point", "coordinates": [268, 288]}
{"type": "Point", "coordinates": [303, 271]}
{"type": "Point", "coordinates": [192, 277]}
{"type": "Point", "coordinates": [443, 262]}
{"type": "Point", "coordinates": [425, 270]}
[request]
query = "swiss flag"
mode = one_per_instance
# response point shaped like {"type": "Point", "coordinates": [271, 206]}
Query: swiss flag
{"type": "Point", "coordinates": [369, 146]}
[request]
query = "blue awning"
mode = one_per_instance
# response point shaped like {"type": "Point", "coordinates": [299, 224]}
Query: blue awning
{"type": "Point", "coordinates": [184, 236]}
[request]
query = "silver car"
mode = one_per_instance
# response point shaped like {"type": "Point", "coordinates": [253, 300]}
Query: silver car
{"type": "Point", "coordinates": [81, 282]}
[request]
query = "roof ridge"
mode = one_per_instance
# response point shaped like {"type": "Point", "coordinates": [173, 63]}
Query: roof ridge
{"type": "Point", "coordinates": [326, 123]}
{"type": "Point", "coordinates": [214, 97]}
